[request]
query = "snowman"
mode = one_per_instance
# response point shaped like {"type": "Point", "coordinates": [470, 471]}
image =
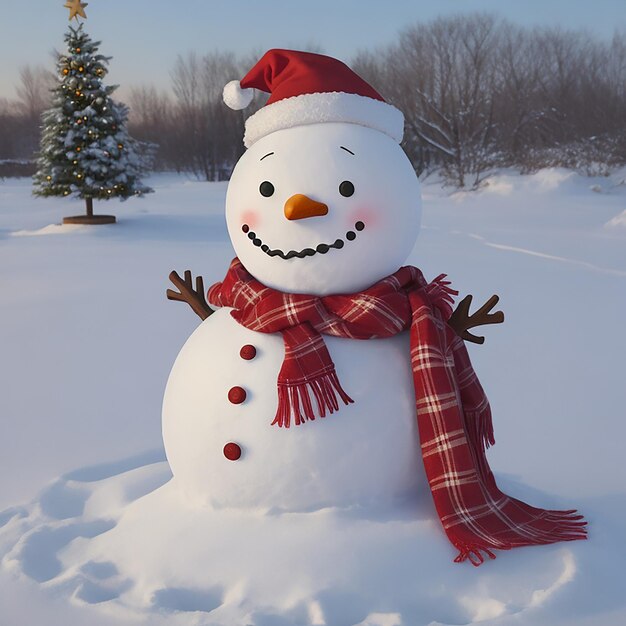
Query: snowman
{"type": "Point", "coordinates": [326, 373]}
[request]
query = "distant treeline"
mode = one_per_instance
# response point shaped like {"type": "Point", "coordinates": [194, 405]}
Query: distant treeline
{"type": "Point", "coordinates": [477, 93]}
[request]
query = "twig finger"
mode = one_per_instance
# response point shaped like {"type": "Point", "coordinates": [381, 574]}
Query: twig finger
{"type": "Point", "coordinates": [485, 308]}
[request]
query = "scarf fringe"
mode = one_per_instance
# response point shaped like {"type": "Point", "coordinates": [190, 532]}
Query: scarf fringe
{"type": "Point", "coordinates": [479, 426]}
{"type": "Point", "coordinates": [545, 527]}
{"type": "Point", "coordinates": [441, 294]}
{"type": "Point", "coordinates": [295, 400]}
{"type": "Point", "coordinates": [479, 429]}
{"type": "Point", "coordinates": [540, 526]}
{"type": "Point", "coordinates": [472, 552]}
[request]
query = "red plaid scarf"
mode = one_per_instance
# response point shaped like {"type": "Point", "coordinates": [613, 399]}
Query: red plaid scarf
{"type": "Point", "coordinates": [453, 414]}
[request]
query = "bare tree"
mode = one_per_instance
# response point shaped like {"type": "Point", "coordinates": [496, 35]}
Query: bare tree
{"type": "Point", "coordinates": [478, 92]}
{"type": "Point", "coordinates": [442, 76]}
{"type": "Point", "coordinates": [152, 121]}
{"type": "Point", "coordinates": [34, 97]}
{"type": "Point", "coordinates": [577, 111]}
{"type": "Point", "coordinates": [210, 133]}
{"type": "Point", "coordinates": [6, 136]}
{"type": "Point", "coordinates": [34, 90]}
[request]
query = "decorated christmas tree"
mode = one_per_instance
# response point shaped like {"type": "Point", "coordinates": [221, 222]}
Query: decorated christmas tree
{"type": "Point", "coordinates": [86, 151]}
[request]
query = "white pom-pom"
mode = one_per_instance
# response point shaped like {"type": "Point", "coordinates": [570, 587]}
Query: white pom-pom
{"type": "Point", "coordinates": [235, 97]}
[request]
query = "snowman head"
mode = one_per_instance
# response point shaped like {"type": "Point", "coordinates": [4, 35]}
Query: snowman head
{"type": "Point", "coordinates": [324, 200]}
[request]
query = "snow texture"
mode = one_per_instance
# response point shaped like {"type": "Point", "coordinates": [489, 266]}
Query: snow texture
{"type": "Point", "coordinates": [110, 542]}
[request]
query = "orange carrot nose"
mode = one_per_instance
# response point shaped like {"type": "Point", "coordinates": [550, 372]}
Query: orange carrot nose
{"type": "Point", "coordinates": [300, 206]}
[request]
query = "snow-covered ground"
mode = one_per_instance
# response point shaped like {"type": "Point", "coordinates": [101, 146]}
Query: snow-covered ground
{"type": "Point", "coordinates": [86, 343]}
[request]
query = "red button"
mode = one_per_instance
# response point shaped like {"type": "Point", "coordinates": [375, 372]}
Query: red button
{"type": "Point", "coordinates": [232, 451]}
{"type": "Point", "coordinates": [248, 352]}
{"type": "Point", "coordinates": [237, 395]}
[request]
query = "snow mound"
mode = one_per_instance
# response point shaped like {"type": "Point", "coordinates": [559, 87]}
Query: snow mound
{"type": "Point", "coordinates": [499, 185]}
{"type": "Point", "coordinates": [619, 221]}
{"type": "Point", "coordinates": [548, 181]}
{"type": "Point", "coordinates": [51, 229]}
{"type": "Point", "coordinates": [130, 544]}
{"type": "Point", "coordinates": [551, 178]}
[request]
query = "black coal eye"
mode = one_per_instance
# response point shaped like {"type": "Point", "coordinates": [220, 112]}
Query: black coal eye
{"type": "Point", "coordinates": [266, 188]}
{"type": "Point", "coordinates": [346, 188]}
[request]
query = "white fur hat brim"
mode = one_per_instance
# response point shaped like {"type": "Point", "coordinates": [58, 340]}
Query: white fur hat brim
{"type": "Point", "coordinates": [315, 108]}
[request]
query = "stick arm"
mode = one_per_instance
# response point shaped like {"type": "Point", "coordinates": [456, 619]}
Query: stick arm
{"type": "Point", "coordinates": [461, 321]}
{"type": "Point", "coordinates": [195, 298]}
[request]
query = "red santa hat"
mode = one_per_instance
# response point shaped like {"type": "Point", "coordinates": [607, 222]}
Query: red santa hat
{"type": "Point", "coordinates": [307, 88]}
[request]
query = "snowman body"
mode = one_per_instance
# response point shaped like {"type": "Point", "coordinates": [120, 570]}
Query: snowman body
{"type": "Point", "coordinates": [367, 453]}
{"type": "Point", "coordinates": [317, 209]}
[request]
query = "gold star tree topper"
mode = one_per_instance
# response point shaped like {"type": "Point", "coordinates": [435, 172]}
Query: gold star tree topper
{"type": "Point", "coordinates": [76, 8]}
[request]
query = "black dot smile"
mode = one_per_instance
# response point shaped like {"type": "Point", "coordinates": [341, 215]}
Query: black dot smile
{"type": "Point", "coordinates": [321, 248]}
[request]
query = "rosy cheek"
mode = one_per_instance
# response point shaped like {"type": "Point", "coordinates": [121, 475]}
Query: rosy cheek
{"type": "Point", "coordinates": [368, 215]}
{"type": "Point", "coordinates": [251, 218]}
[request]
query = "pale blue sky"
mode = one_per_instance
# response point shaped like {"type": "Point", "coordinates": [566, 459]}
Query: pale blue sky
{"type": "Point", "coordinates": [144, 36]}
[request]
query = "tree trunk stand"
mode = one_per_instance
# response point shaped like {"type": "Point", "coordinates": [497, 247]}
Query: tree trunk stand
{"type": "Point", "coordinates": [89, 218]}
